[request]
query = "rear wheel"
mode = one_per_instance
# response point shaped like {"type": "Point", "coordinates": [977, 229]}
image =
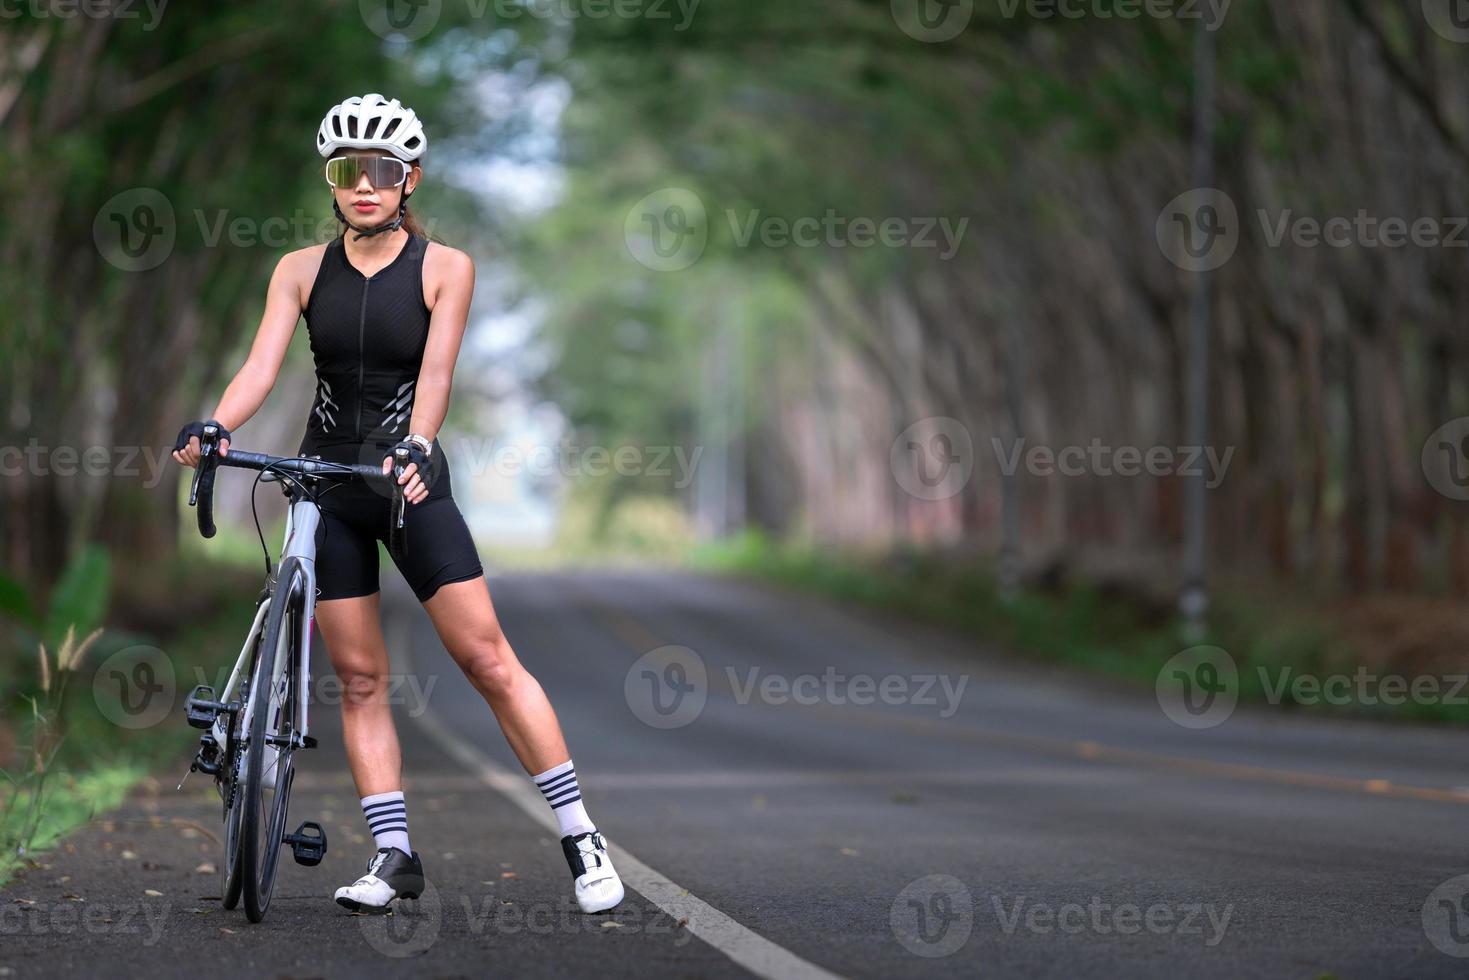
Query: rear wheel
{"type": "Point", "coordinates": [266, 790]}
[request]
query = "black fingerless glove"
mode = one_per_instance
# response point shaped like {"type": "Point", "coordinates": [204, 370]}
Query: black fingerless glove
{"type": "Point", "coordinates": [428, 462]}
{"type": "Point", "coordinates": [196, 430]}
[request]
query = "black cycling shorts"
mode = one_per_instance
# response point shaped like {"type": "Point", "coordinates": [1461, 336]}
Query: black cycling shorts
{"type": "Point", "coordinates": [354, 518]}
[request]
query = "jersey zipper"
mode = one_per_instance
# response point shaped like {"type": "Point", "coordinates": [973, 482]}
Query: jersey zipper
{"type": "Point", "coordinates": [361, 332]}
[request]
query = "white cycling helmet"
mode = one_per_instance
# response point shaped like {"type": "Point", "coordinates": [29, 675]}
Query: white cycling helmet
{"type": "Point", "coordinates": [372, 122]}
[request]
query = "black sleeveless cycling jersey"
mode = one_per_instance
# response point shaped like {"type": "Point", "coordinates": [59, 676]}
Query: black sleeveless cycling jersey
{"type": "Point", "coordinates": [367, 336]}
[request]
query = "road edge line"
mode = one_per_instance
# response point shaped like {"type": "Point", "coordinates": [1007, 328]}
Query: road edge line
{"type": "Point", "coordinates": [742, 945]}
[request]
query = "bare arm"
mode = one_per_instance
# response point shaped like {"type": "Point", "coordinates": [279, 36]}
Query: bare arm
{"type": "Point", "coordinates": [451, 282]}
{"type": "Point", "coordinates": [448, 289]}
{"type": "Point", "coordinates": [253, 382]}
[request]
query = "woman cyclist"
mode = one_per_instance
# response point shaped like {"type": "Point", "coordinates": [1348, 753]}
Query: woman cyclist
{"type": "Point", "coordinates": [385, 310]}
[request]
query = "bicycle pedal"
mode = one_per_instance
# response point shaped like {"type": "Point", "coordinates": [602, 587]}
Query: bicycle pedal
{"type": "Point", "coordinates": [202, 708]}
{"type": "Point", "coordinates": [308, 843]}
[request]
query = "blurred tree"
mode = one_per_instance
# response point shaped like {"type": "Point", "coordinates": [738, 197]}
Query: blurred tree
{"type": "Point", "coordinates": [1061, 142]}
{"type": "Point", "coordinates": [160, 169]}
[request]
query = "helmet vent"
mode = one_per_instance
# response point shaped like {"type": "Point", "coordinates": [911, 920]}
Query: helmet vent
{"type": "Point", "coordinates": [371, 122]}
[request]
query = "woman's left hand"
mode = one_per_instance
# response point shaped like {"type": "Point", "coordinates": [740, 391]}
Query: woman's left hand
{"type": "Point", "coordinates": [414, 489]}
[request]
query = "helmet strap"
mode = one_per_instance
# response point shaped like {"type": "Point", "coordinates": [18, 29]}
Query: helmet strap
{"type": "Point", "coordinates": [390, 226]}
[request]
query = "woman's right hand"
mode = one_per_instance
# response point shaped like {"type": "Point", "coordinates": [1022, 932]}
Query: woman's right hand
{"type": "Point", "coordinates": [186, 447]}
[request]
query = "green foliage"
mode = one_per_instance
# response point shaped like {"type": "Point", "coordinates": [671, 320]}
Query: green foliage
{"type": "Point", "coordinates": [14, 602]}
{"type": "Point", "coordinates": [1080, 627]}
{"type": "Point", "coordinates": [79, 600]}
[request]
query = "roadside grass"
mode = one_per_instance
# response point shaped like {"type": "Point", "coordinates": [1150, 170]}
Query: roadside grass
{"type": "Point", "coordinates": [68, 762]}
{"type": "Point", "coordinates": [1275, 640]}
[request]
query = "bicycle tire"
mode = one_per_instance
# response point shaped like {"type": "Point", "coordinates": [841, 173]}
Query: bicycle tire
{"type": "Point", "coordinates": [260, 846]}
{"type": "Point", "coordinates": [234, 879]}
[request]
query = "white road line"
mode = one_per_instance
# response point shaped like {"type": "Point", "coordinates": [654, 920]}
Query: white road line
{"type": "Point", "coordinates": [749, 949]}
{"type": "Point", "coordinates": [604, 781]}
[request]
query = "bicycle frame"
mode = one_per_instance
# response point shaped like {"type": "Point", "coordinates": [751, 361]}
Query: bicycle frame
{"type": "Point", "coordinates": [302, 521]}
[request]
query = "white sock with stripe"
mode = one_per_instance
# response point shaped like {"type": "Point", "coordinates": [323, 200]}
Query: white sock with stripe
{"type": "Point", "coordinates": [387, 818]}
{"type": "Point", "coordinates": [558, 785]}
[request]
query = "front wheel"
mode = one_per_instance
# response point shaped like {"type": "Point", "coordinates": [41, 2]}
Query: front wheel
{"type": "Point", "coordinates": [266, 790]}
{"type": "Point", "coordinates": [234, 804]}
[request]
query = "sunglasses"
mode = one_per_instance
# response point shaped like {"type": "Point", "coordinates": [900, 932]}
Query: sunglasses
{"type": "Point", "coordinates": [346, 171]}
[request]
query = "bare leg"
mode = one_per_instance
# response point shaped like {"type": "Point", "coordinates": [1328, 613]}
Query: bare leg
{"type": "Point", "coordinates": [354, 638]}
{"type": "Point", "coordinates": [465, 619]}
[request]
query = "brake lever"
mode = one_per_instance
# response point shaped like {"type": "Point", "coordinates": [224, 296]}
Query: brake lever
{"type": "Point", "coordinates": [202, 489]}
{"type": "Point", "coordinates": [194, 486]}
{"type": "Point", "coordinates": [397, 536]}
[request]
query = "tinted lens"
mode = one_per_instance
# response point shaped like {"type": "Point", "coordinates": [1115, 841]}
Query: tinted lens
{"type": "Point", "coordinates": [381, 171]}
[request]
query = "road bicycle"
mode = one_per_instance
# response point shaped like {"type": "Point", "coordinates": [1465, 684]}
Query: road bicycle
{"type": "Point", "coordinates": [256, 724]}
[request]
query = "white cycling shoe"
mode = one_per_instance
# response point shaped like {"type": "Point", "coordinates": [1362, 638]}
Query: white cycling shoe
{"type": "Point", "coordinates": [390, 874]}
{"type": "Point", "coordinates": [597, 886]}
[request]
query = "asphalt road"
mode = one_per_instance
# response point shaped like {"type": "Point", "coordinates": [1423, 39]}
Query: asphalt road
{"type": "Point", "coordinates": [794, 788]}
